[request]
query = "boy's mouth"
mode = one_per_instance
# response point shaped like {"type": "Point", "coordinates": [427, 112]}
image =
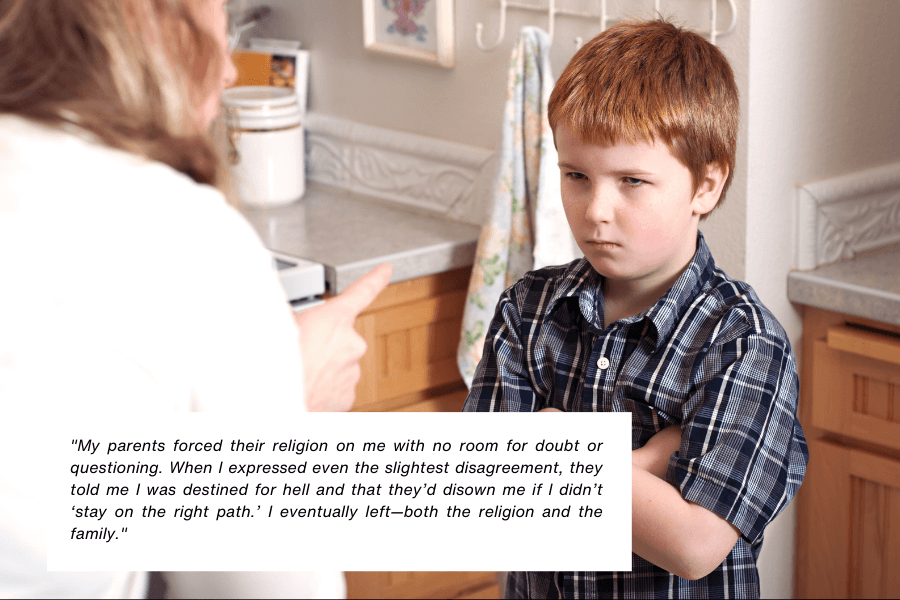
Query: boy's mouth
{"type": "Point", "coordinates": [602, 244]}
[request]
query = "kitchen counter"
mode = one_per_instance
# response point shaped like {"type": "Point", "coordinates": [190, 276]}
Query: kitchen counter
{"type": "Point", "coordinates": [351, 234]}
{"type": "Point", "coordinates": [865, 287]}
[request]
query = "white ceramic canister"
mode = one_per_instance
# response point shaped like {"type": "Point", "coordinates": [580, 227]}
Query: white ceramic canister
{"type": "Point", "coordinates": [265, 130]}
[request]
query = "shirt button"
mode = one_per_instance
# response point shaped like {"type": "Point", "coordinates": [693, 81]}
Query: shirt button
{"type": "Point", "coordinates": [602, 363]}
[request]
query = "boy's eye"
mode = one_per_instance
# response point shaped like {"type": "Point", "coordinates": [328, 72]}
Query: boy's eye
{"type": "Point", "coordinates": [633, 181]}
{"type": "Point", "coordinates": [575, 175]}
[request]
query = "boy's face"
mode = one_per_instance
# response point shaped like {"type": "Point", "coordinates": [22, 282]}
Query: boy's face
{"type": "Point", "coordinates": [631, 208]}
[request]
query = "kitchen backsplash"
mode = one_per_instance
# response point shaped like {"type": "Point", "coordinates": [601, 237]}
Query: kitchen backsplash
{"type": "Point", "coordinates": [839, 218]}
{"type": "Point", "coordinates": [434, 175]}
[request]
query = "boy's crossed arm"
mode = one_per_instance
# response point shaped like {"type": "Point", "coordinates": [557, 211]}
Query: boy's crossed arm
{"type": "Point", "coordinates": [653, 457]}
{"type": "Point", "coordinates": [679, 536]}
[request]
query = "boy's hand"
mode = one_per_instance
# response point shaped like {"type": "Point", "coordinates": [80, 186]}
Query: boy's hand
{"type": "Point", "coordinates": [331, 346]}
{"type": "Point", "coordinates": [654, 456]}
{"type": "Point", "coordinates": [550, 409]}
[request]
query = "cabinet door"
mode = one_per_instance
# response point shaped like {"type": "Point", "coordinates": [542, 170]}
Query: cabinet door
{"type": "Point", "coordinates": [854, 524]}
{"type": "Point", "coordinates": [857, 385]}
{"type": "Point", "coordinates": [412, 331]}
{"type": "Point", "coordinates": [413, 584]}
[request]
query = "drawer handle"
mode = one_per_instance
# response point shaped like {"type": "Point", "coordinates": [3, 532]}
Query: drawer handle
{"type": "Point", "coordinates": [864, 343]}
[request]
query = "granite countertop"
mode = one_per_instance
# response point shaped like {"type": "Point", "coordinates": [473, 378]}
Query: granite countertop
{"type": "Point", "coordinates": [866, 287]}
{"type": "Point", "coordinates": [352, 234]}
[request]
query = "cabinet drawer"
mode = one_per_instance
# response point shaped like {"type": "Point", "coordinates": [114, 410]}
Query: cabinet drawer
{"type": "Point", "coordinates": [853, 520]}
{"type": "Point", "coordinates": [856, 384]}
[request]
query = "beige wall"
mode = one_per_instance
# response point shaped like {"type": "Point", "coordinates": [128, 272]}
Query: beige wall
{"type": "Point", "coordinates": [824, 100]}
{"type": "Point", "coordinates": [820, 94]}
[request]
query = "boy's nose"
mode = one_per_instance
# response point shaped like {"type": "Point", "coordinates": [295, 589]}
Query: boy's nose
{"type": "Point", "coordinates": [600, 205]}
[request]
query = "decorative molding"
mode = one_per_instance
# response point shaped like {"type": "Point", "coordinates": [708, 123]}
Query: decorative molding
{"type": "Point", "coordinates": [841, 217]}
{"type": "Point", "coordinates": [427, 173]}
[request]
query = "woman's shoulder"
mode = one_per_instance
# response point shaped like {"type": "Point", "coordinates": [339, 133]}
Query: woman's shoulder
{"type": "Point", "coordinates": [64, 175]}
{"type": "Point", "coordinates": [76, 161]}
{"type": "Point", "coordinates": [74, 200]}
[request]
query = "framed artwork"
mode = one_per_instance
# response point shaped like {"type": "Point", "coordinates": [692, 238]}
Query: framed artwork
{"type": "Point", "coordinates": [416, 29]}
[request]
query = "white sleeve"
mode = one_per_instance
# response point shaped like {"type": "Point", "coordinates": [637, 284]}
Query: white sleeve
{"type": "Point", "coordinates": [245, 352]}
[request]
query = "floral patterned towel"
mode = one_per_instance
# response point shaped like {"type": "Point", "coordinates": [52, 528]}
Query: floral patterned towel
{"type": "Point", "coordinates": [527, 227]}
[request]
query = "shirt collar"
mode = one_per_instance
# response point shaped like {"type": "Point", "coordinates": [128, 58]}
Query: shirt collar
{"type": "Point", "coordinates": [581, 291]}
{"type": "Point", "coordinates": [671, 307]}
{"type": "Point", "coordinates": [584, 284]}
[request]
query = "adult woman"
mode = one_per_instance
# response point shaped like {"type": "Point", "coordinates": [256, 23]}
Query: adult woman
{"type": "Point", "coordinates": [129, 284]}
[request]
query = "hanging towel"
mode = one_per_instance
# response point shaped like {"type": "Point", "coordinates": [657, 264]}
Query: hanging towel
{"type": "Point", "coordinates": [526, 227]}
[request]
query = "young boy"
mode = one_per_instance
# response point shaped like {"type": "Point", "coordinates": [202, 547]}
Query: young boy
{"type": "Point", "coordinates": [645, 120]}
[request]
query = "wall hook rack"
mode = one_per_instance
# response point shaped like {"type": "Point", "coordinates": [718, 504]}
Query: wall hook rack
{"type": "Point", "coordinates": [602, 16]}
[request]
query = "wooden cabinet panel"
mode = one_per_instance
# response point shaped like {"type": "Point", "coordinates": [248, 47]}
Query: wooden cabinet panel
{"type": "Point", "coordinates": [874, 539]}
{"type": "Point", "coordinates": [412, 330]}
{"type": "Point", "coordinates": [856, 388]}
{"type": "Point", "coordinates": [452, 402]}
{"type": "Point", "coordinates": [880, 346]}
{"type": "Point", "coordinates": [421, 378]}
{"type": "Point", "coordinates": [366, 392]}
{"type": "Point", "coordinates": [848, 531]}
{"type": "Point", "coordinates": [418, 584]}
{"type": "Point", "coordinates": [855, 550]}
{"type": "Point", "coordinates": [485, 593]}
{"type": "Point", "coordinates": [416, 314]}
{"type": "Point", "coordinates": [422, 287]}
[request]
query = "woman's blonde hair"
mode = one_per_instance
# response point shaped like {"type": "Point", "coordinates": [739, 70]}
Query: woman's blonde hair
{"type": "Point", "coordinates": [130, 72]}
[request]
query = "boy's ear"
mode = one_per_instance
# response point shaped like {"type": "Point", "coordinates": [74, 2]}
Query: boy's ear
{"type": "Point", "coordinates": [710, 189]}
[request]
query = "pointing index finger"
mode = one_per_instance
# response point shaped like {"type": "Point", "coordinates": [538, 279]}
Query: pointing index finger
{"type": "Point", "coordinates": [364, 290]}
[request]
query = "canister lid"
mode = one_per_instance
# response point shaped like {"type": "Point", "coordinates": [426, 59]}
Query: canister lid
{"type": "Point", "coordinates": [257, 96]}
{"type": "Point", "coordinates": [261, 107]}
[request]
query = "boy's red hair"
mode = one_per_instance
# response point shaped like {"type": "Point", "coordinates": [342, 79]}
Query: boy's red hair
{"type": "Point", "coordinates": [652, 80]}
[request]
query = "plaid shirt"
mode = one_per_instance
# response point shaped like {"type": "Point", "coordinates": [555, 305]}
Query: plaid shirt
{"type": "Point", "coordinates": [707, 356]}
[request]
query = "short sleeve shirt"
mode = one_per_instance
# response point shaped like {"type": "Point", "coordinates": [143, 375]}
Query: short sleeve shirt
{"type": "Point", "coordinates": [707, 356]}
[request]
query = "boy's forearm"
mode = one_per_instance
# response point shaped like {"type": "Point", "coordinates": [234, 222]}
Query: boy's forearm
{"type": "Point", "coordinates": [679, 536]}
{"type": "Point", "coordinates": [654, 455]}
{"type": "Point", "coordinates": [650, 461]}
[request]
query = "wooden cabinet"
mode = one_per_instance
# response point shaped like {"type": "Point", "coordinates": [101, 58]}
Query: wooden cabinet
{"type": "Point", "coordinates": [848, 542]}
{"type": "Point", "coordinates": [405, 584]}
{"type": "Point", "coordinates": [412, 330]}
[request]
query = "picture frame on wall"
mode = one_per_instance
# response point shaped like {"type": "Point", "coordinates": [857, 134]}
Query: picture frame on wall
{"type": "Point", "coordinates": [420, 30]}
